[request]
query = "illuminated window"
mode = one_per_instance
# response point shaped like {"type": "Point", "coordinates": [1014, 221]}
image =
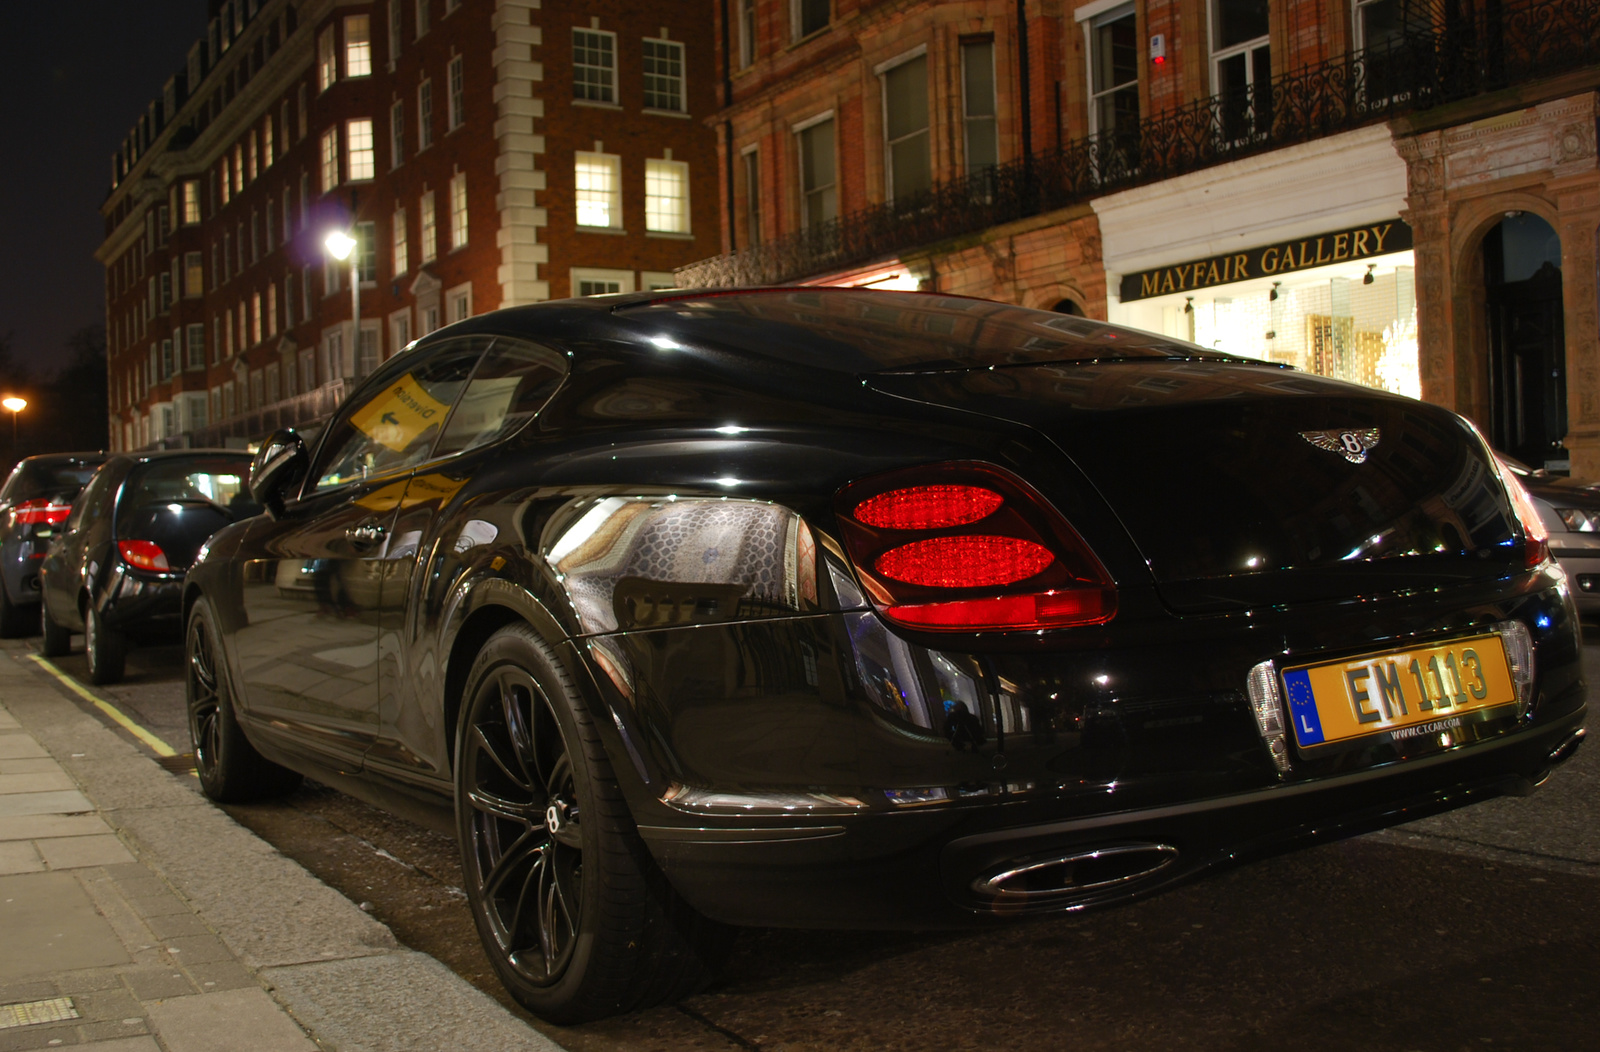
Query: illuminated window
{"type": "Point", "coordinates": [272, 310]}
{"type": "Point", "coordinates": [594, 65]}
{"type": "Point", "coordinates": [267, 143]}
{"type": "Point", "coordinates": [327, 60]}
{"type": "Point", "coordinates": [357, 46]}
{"type": "Point", "coordinates": [255, 318]}
{"type": "Point", "coordinates": [191, 201]}
{"type": "Point", "coordinates": [666, 196]}
{"type": "Point", "coordinates": [330, 159]}
{"type": "Point", "coordinates": [194, 274]}
{"type": "Point", "coordinates": [663, 75]}
{"type": "Point", "coordinates": [458, 210]}
{"type": "Point", "coordinates": [598, 192]}
{"type": "Point", "coordinates": [400, 263]}
{"type": "Point", "coordinates": [430, 230]}
{"type": "Point", "coordinates": [361, 160]}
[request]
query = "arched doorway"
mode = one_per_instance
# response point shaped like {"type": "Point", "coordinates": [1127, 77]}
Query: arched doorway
{"type": "Point", "coordinates": [1527, 347]}
{"type": "Point", "coordinates": [1068, 306]}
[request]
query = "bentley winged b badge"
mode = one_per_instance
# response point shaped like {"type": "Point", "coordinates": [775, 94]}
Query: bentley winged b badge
{"type": "Point", "coordinates": [1353, 444]}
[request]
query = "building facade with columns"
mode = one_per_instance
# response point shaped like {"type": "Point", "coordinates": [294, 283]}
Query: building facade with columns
{"type": "Point", "coordinates": [1401, 193]}
{"type": "Point", "coordinates": [481, 153]}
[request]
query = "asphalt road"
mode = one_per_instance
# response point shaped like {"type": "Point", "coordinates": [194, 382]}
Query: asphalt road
{"type": "Point", "coordinates": [1475, 930]}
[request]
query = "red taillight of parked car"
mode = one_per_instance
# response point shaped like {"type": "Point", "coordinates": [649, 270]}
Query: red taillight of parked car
{"type": "Point", "coordinates": [1536, 547]}
{"type": "Point", "coordinates": [144, 555]}
{"type": "Point", "coordinates": [970, 547]}
{"type": "Point", "coordinates": [41, 513]}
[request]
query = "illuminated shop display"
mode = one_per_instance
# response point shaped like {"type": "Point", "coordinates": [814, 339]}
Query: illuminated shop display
{"type": "Point", "coordinates": [1320, 304]}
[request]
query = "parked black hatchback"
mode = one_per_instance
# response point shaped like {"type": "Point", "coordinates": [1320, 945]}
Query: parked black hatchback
{"type": "Point", "coordinates": [34, 503]}
{"type": "Point", "coordinates": [843, 608]}
{"type": "Point", "coordinates": [115, 572]}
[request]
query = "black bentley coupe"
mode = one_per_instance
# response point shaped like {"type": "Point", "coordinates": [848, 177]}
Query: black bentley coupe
{"type": "Point", "coordinates": [842, 608]}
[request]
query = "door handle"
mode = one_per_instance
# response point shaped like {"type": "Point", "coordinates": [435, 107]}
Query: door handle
{"type": "Point", "coordinates": [365, 535]}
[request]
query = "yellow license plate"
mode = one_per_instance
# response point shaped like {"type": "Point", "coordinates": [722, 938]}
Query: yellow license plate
{"type": "Point", "coordinates": [1400, 693]}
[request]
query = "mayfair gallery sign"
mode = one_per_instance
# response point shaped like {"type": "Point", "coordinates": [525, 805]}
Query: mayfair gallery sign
{"type": "Point", "coordinates": [1341, 246]}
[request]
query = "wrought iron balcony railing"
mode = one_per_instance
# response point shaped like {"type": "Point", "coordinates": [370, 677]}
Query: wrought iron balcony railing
{"type": "Point", "coordinates": [1437, 60]}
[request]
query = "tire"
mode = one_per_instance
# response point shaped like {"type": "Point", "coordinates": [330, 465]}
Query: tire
{"type": "Point", "coordinates": [56, 641]}
{"type": "Point", "coordinates": [574, 915]}
{"type": "Point", "coordinates": [228, 766]}
{"type": "Point", "coordinates": [16, 621]}
{"type": "Point", "coordinates": [106, 648]}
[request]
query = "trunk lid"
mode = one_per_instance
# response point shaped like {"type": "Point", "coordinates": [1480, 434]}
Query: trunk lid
{"type": "Point", "coordinates": [1234, 480]}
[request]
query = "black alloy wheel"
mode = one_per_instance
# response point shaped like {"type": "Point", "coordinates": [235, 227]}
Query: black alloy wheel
{"type": "Point", "coordinates": [228, 766]}
{"type": "Point", "coordinates": [573, 913]}
{"type": "Point", "coordinates": [106, 649]}
{"type": "Point", "coordinates": [56, 641]}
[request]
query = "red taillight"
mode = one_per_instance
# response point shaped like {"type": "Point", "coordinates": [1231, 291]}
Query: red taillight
{"type": "Point", "coordinates": [1537, 547]}
{"type": "Point", "coordinates": [964, 562]}
{"type": "Point", "coordinates": [144, 555]}
{"type": "Point", "coordinates": [41, 513]}
{"type": "Point", "coordinates": [928, 507]}
{"type": "Point", "coordinates": [927, 564]}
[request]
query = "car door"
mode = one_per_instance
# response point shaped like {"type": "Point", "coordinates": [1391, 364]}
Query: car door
{"type": "Point", "coordinates": [307, 646]}
{"type": "Point", "coordinates": [515, 380]}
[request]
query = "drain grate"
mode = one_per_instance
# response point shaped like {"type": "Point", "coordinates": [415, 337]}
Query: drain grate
{"type": "Point", "coordinates": [182, 763]}
{"type": "Point", "coordinates": [31, 1013]}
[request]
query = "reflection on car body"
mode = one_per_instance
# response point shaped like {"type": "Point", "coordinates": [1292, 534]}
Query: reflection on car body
{"type": "Point", "coordinates": [858, 609]}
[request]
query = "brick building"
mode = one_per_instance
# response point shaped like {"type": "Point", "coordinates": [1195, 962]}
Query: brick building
{"type": "Point", "coordinates": [482, 153]}
{"type": "Point", "coordinates": [1403, 193]}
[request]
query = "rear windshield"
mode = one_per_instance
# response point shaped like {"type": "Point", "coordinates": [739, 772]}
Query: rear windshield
{"type": "Point", "coordinates": [862, 331]}
{"type": "Point", "coordinates": [212, 480]}
{"type": "Point", "coordinates": [58, 478]}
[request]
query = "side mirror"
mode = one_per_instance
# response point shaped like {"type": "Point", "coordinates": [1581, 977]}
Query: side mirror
{"type": "Point", "coordinates": [279, 466]}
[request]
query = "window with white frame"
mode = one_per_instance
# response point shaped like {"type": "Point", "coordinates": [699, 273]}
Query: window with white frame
{"type": "Point", "coordinates": [458, 303]}
{"type": "Point", "coordinates": [397, 133]}
{"type": "Point", "coordinates": [357, 46]}
{"type": "Point", "coordinates": [666, 196]}
{"type": "Point", "coordinates": [361, 152]}
{"type": "Point", "coordinates": [195, 347]}
{"type": "Point", "coordinates": [255, 319]}
{"type": "Point", "coordinates": [752, 196]}
{"type": "Point", "coordinates": [425, 115]}
{"type": "Point", "coordinates": [430, 230]}
{"type": "Point", "coordinates": [747, 33]}
{"type": "Point", "coordinates": [597, 185]}
{"type": "Point", "coordinates": [458, 210]}
{"type": "Point", "coordinates": [272, 310]}
{"type": "Point", "coordinates": [250, 156]}
{"type": "Point", "coordinates": [1113, 71]}
{"type": "Point", "coordinates": [594, 281]}
{"type": "Point", "coordinates": [396, 25]}
{"type": "Point", "coordinates": [594, 65]}
{"type": "Point", "coordinates": [657, 280]}
{"type": "Point", "coordinates": [1241, 65]}
{"type": "Point", "coordinates": [1380, 36]}
{"type": "Point", "coordinates": [400, 262]}
{"type": "Point", "coordinates": [366, 252]}
{"type": "Point", "coordinates": [268, 143]}
{"type": "Point", "coordinates": [663, 75]}
{"type": "Point", "coordinates": [330, 159]}
{"type": "Point", "coordinates": [327, 59]}
{"type": "Point", "coordinates": [399, 329]}
{"type": "Point", "coordinates": [422, 17]}
{"type": "Point", "coordinates": [909, 167]}
{"type": "Point", "coordinates": [819, 200]}
{"type": "Point", "coordinates": [456, 110]}
{"type": "Point", "coordinates": [808, 16]}
{"type": "Point", "coordinates": [194, 274]}
{"type": "Point", "coordinates": [980, 134]}
{"type": "Point", "coordinates": [367, 349]}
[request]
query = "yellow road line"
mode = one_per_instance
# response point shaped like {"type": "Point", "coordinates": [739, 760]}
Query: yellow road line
{"type": "Point", "coordinates": [159, 747]}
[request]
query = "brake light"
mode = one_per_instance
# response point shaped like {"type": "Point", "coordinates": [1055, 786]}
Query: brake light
{"type": "Point", "coordinates": [144, 555]}
{"type": "Point", "coordinates": [970, 547]}
{"type": "Point", "coordinates": [41, 513]}
{"type": "Point", "coordinates": [1537, 538]}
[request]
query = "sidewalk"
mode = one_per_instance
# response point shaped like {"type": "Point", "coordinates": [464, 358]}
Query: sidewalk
{"type": "Point", "coordinates": [136, 917]}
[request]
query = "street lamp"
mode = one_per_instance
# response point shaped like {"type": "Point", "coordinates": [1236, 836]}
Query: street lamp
{"type": "Point", "coordinates": [16, 405]}
{"type": "Point", "coordinates": [341, 246]}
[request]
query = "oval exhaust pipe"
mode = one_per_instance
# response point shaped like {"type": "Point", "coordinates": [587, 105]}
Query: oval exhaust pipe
{"type": "Point", "coordinates": [1058, 876]}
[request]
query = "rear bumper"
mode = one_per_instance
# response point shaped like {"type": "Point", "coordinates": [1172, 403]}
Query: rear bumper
{"type": "Point", "coordinates": [928, 869]}
{"type": "Point", "coordinates": [142, 604]}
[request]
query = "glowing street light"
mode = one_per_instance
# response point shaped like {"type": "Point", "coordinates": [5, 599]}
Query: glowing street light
{"type": "Point", "coordinates": [342, 246]}
{"type": "Point", "coordinates": [16, 405]}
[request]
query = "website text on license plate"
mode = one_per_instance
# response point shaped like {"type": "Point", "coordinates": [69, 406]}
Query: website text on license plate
{"type": "Point", "coordinates": [1406, 693]}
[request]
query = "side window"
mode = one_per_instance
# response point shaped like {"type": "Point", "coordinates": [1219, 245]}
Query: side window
{"type": "Point", "coordinates": [514, 382]}
{"type": "Point", "coordinates": [393, 421]}
{"type": "Point", "coordinates": [93, 496]}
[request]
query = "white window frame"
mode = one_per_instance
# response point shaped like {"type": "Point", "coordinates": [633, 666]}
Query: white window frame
{"type": "Point", "coordinates": [424, 115]}
{"type": "Point", "coordinates": [458, 303]}
{"type": "Point", "coordinates": [460, 227]}
{"type": "Point", "coordinates": [882, 70]}
{"type": "Point", "coordinates": [357, 45]}
{"type": "Point", "coordinates": [327, 58]}
{"type": "Point", "coordinates": [456, 89]}
{"type": "Point", "coordinates": [795, 131]}
{"type": "Point", "coordinates": [400, 253]}
{"type": "Point", "coordinates": [397, 134]}
{"type": "Point", "coordinates": [328, 156]}
{"type": "Point", "coordinates": [657, 280]}
{"type": "Point", "coordinates": [969, 120]}
{"type": "Point", "coordinates": [428, 229]}
{"type": "Point", "coordinates": [608, 87]}
{"type": "Point", "coordinates": [361, 150]}
{"type": "Point", "coordinates": [681, 78]}
{"type": "Point", "coordinates": [578, 275]}
{"type": "Point", "coordinates": [677, 223]}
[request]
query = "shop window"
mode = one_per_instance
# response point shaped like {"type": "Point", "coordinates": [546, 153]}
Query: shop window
{"type": "Point", "coordinates": [905, 129]}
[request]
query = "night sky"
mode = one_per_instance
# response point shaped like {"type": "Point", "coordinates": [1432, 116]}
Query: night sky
{"type": "Point", "coordinates": [74, 76]}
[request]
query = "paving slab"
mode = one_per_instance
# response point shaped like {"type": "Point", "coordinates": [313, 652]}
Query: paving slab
{"type": "Point", "coordinates": [232, 1021]}
{"type": "Point", "coordinates": [52, 925]}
